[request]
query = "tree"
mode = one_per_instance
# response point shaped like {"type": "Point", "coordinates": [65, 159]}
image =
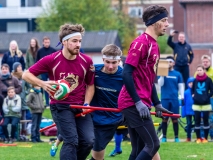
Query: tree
{"type": "Point", "coordinates": [93, 15]}
{"type": "Point", "coordinates": [162, 42]}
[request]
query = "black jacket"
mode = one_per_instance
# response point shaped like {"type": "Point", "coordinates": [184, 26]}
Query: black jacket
{"type": "Point", "coordinates": [42, 52]}
{"type": "Point", "coordinates": [183, 53]}
{"type": "Point", "coordinates": [202, 91]}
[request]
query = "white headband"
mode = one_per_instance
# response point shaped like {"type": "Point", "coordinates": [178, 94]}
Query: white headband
{"type": "Point", "coordinates": [71, 35]}
{"type": "Point", "coordinates": [112, 57]}
{"type": "Point", "coordinates": [170, 60]}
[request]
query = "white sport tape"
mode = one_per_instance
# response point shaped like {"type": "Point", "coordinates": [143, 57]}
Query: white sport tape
{"type": "Point", "coordinates": [170, 60]}
{"type": "Point", "coordinates": [71, 35]}
{"type": "Point", "coordinates": [112, 57]}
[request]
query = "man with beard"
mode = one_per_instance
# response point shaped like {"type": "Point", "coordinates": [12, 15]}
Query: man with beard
{"type": "Point", "coordinates": [73, 66]}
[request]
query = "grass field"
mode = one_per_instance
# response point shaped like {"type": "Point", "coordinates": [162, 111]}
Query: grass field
{"type": "Point", "coordinates": [168, 151]}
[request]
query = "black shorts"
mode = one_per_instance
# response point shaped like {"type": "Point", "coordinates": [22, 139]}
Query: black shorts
{"type": "Point", "coordinates": [133, 118]}
{"type": "Point", "coordinates": [103, 135]}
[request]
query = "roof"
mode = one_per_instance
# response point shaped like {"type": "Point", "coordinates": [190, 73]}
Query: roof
{"type": "Point", "coordinates": [93, 41]}
{"type": "Point", "coordinates": [195, 1]}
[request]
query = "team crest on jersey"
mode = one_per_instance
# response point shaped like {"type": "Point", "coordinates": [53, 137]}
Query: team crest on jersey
{"type": "Point", "coordinates": [73, 81]}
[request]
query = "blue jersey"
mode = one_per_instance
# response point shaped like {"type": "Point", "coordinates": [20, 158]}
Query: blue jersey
{"type": "Point", "coordinates": [169, 90]}
{"type": "Point", "coordinates": [107, 89]}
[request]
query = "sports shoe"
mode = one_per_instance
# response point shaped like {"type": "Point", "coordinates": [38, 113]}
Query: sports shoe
{"type": "Point", "coordinates": [10, 141]}
{"type": "Point", "coordinates": [198, 141]}
{"type": "Point", "coordinates": [163, 140]}
{"type": "Point", "coordinates": [39, 141]}
{"type": "Point", "coordinates": [53, 150]}
{"type": "Point", "coordinates": [204, 140]}
{"type": "Point", "coordinates": [114, 153]}
{"type": "Point", "coordinates": [177, 140]}
{"type": "Point", "coordinates": [188, 140]}
{"type": "Point", "coordinates": [6, 141]}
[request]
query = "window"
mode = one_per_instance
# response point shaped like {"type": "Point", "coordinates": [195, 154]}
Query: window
{"type": "Point", "coordinates": [135, 12]}
{"type": "Point", "coordinates": [171, 11]}
{"type": "Point", "coordinates": [17, 27]}
{"type": "Point", "coordinates": [13, 3]}
{"type": "Point", "coordinates": [2, 3]}
{"type": "Point", "coordinates": [30, 3]}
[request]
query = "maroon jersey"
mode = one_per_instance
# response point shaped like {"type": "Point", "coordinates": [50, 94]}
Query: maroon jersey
{"type": "Point", "coordinates": [143, 55]}
{"type": "Point", "coordinates": [76, 72]}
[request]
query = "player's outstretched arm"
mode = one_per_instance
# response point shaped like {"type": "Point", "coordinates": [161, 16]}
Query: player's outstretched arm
{"type": "Point", "coordinates": [32, 79]}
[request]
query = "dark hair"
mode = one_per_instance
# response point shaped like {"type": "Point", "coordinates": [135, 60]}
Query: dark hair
{"type": "Point", "coordinates": [5, 65]}
{"type": "Point", "coordinates": [152, 11]}
{"type": "Point", "coordinates": [46, 38]}
{"type": "Point", "coordinates": [34, 51]}
{"type": "Point", "coordinates": [67, 29]}
{"type": "Point", "coordinates": [170, 57]}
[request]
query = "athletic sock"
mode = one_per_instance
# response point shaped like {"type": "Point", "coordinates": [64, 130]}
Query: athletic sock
{"type": "Point", "coordinates": [164, 129]}
{"type": "Point", "coordinates": [143, 155]}
{"type": "Point", "coordinates": [175, 127]}
{"type": "Point", "coordinates": [197, 133]}
{"type": "Point", "coordinates": [206, 133]}
{"type": "Point", "coordinates": [118, 140]}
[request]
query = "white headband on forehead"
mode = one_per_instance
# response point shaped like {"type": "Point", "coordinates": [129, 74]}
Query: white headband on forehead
{"type": "Point", "coordinates": [71, 35]}
{"type": "Point", "coordinates": [170, 60]}
{"type": "Point", "coordinates": [112, 57]}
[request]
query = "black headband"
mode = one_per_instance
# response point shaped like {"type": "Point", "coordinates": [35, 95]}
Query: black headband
{"type": "Point", "coordinates": [155, 18]}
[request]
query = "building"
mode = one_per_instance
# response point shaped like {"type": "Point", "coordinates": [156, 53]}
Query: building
{"type": "Point", "coordinates": [135, 9]}
{"type": "Point", "coordinates": [198, 27]}
{"type": "Point", "coordinates": [18, 16]}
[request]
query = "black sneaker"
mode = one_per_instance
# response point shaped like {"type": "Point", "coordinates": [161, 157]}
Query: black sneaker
{"type": "Point", "coordinates": [40, 141]}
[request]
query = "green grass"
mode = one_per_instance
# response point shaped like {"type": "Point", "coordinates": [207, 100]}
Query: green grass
{"type": "Point", "coordinates": [168, 151]}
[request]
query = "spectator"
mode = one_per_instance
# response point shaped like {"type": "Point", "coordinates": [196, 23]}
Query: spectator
{"type": "Point", "coordinates": [12, 113]}
{"type": "Point", "coordinates": [187, 108]}
{"type": "Point", "coordinates": [31, 53]}
{"type": "Point", "coordinates": [13, 55]}
{"type": "Point", "coordinates": [36, 105]}
{"type": "Point", "coordinates": [169, 97]}
{"type": "Point", "coordinates": [202, 90]}
{"type": "Point", "coordinates": [42, 52]}
{"type": "Point", "coordinates": [7, 80]}
{"type": "Point", "coordinates": [17, 72]}
{"type": "Point", "coordinates": [206, 62]}
{"type": "Point", "coordinates": [183, 55]}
